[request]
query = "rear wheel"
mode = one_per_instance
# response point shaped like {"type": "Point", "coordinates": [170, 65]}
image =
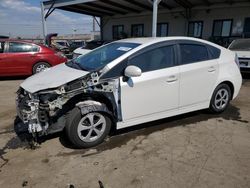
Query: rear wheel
{"type": "Point", "coordinates": [39, 67]}
{"type": "Point", "coordinates": [87, 130]}
{"type": "Point", "coordinates": [220, 99]}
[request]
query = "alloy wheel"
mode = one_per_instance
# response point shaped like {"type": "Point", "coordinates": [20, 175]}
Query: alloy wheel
{"type": "Point", "coordinates": [91, 127]}
{"type": "Point", "coordinates": [221, 98]}
{"type": "Point", "coordinates": [41, 68]}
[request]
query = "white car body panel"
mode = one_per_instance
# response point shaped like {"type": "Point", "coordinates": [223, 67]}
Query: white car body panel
{"type": "Point", "coordinates": [151, 97]}
{"type": "Point", "coordinates": [194, 75]}
{"type": "Point", "coordinates": [196, 97]}
{"type": "Point", "coordinates": [152, 92]}
{"type": "Point", "coordinates": [161, 115]}
{"type": "Point", "coordinates": [52, 78]}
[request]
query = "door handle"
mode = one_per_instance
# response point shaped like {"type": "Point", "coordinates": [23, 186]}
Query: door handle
{"type": "Point", "coordinates": [211, 69]}
{"type": "Point", "coordinates": [172, 78]}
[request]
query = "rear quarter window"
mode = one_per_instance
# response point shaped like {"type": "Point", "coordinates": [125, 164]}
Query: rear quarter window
{"type": "Point", "coordinates": [214, 52]}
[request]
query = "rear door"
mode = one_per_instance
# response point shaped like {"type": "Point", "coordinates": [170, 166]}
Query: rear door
{"type": "Point", "coordinates": [20, 57]}
{"type": "Point", "coordinates": [198, 73]}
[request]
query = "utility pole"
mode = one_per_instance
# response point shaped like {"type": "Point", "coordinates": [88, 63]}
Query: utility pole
{"type": "Point", "coordinates": [93, 24]}
{"type": "Point", "coordinates": [43, 22]}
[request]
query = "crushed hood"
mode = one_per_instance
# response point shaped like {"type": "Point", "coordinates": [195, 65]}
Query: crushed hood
{"type": "Point", "coordinates": [52, 78]}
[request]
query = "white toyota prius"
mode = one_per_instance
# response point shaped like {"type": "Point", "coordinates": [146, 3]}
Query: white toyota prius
{"type": "Point", "coordinates": [125, 83]}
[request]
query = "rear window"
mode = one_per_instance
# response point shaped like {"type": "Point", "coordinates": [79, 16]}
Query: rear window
{"type": "Point", "coordinates": [192, 53]}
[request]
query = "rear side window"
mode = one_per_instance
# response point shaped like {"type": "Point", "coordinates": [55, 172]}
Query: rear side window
{"type": "Point", "coordinates": [2, 47]}
{"type": "Point", "coordinates": [192, 53]}
{"type": "Point", "coordinates": [214, 52]}
{"type": "Point", "coordinates": [15, 47]}
{"type": "Point", "coordinates": [155, 59]}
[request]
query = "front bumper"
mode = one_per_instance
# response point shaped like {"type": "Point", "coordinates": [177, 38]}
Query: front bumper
{"type": "Point", "coordinates": [27, 108]}
{"type": "Point", "coordinates": [245, 69]}
{"type": "Point", "coordinates": [244, 64]}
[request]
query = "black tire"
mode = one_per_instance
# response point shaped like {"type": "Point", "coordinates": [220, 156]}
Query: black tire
{"type": "Point", "coordinates": [37, 67]}
{"type": "Point", "coordinates": [218, 106]}
{"type": "Point", "coordinates": [73, 119]}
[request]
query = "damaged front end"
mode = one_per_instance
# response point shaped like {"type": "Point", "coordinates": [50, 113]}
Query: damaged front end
{"type": "Point", "coordinates": [45, 112]}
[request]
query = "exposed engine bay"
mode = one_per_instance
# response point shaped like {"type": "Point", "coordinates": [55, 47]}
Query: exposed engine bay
{"type": "Point", "coordinates": [45, 112]}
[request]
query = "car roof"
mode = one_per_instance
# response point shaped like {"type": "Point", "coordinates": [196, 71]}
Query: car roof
{"type": "Point", "coordinates": [152, 40]}
{"type": "Point", "coordinates": [17, 40]}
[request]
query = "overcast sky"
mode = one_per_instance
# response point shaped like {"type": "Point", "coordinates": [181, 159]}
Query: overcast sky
{"type": "Point", "coordinates": [23, 18]}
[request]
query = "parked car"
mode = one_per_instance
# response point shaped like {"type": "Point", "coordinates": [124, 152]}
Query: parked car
{"type": "Point", "coordinates": [125, 83]}
{"type": "Point", "coordinates": [76, 44]}
{"type": "Point", "coordinates": [61, 46]}
{"type": "Point", "coordinates": [88, 47]}
{"type": "Point", "coordinates": [26, 58]}
{"type": "Point", "coordinates": [242, 49]}
{"type": "Point", "coordinates": [80, 51]}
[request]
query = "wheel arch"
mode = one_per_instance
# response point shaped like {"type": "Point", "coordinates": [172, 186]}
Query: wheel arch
{"type": "Point", "coordinates": [110, 109]}
{"type": "Point", "coordinates": [230, 84]}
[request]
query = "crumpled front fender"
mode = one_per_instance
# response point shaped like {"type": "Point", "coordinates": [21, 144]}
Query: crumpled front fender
{"type": "Point", "coordinates": [93, 106]}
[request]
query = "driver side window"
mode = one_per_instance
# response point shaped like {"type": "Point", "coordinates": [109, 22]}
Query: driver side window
{"type": "Point", "coordinates": [158, 58]}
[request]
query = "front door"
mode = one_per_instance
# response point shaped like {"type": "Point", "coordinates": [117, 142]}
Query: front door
{"type": "Point", "coordinates": [156, 90]}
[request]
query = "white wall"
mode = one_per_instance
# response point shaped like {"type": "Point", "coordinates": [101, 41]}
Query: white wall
{"type": "Point", "coordinates": [177, 23]}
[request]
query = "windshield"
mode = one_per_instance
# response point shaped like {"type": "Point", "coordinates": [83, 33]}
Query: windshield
{"type": "Point", "coordinates": [102, 56]}
{"type": "Point", "coordinates": [242, 44]}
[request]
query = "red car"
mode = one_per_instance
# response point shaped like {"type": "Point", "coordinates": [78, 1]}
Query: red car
{"type": "Point", "coordinates": [26, 58]}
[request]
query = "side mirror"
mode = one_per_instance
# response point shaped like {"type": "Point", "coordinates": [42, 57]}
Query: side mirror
{"type": "Point", "coordinates": [132, 71]}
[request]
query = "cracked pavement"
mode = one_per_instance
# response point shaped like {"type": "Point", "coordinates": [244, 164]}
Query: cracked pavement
{"type": "Point", "coordinates": [192, 150]}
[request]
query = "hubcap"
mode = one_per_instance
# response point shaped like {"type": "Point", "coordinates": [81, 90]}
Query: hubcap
{"type": "Point", "coordinates": [221, 99]}
{"type": "Point", "coordinates": [91, 127]}
{"type": "Point", "coordinates": [41, 68]}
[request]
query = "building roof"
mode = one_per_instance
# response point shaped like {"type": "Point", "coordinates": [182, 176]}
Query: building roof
{"type": "Point", "coordinates": [122, 7]}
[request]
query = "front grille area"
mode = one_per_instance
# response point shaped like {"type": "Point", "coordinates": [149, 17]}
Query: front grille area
{"type": "Point", "coordinates": [244, 62]}
{"type": "Point", "coordinates": [43, 113]}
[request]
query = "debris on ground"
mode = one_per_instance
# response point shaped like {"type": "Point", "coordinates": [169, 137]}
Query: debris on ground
{"type": "Point", "coordinates": [101, 184]}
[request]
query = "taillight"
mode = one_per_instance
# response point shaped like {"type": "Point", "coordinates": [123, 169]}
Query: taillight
{"type": "Point", "coordinates": [60, 54]}
{"type": "Point", "coordinates": [236, 59]}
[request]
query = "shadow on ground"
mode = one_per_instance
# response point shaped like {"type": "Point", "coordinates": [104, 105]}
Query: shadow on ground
{"type": "Point", "coordinates": [122, 137]}
{"type": "Point", "coordinates": [119, 138]}
{"type": "Point", "coordinates": [9, 78]}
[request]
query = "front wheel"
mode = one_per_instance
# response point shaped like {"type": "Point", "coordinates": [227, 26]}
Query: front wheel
{"type": "Point", "coordinates": [87, 130]}
{"type": "Point", "coordinates": [220, 99]}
